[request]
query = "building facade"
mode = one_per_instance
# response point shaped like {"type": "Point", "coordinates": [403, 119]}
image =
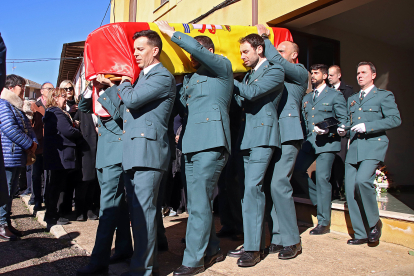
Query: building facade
{"type": "Point", "coordinates": [341, 32]}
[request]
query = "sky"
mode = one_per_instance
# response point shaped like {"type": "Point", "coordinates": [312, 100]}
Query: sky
{"type": "Point", "coordinates": [38, 29]}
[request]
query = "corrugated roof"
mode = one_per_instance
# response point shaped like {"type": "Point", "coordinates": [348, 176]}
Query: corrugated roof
{"type": "Point", "coordinates": [69, 67]}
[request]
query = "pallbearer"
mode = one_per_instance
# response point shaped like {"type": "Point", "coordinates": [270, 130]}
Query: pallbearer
{"type": "Point", "coordinates": [205, 99]}
{"type": "Point", "coordinates": [371, 112]}
{"type": "Point", "coordinates": [285, 233]}
{"type": "Point", "coordinates": [258, 94]}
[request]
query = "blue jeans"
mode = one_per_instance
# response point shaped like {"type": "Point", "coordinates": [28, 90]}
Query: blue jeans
{"type": "Point", "coordinates": [12, 177]}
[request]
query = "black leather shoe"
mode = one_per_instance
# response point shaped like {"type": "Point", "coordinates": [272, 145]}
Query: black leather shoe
{"type": "Point", "coordinates": [62, 221]}
{"type": "Point", "coordinates": [91, 215]}
{"type": "Point", "coordinates": [6, 234]}
{"type": "Point", "coordinates": [357, 241]}
{"type": "Point", "coordinates": [289, 252]}
{"type": "Point", "coordinates": [375, 234]}
{"type": "Point", "coordinates": [15, 231]}
{"type": "Point", "coordinates": [237, 253]}
{"type": "Point", "coordinates": [320, 230]}
{"type": "Point", "coordinates": [92, 269]}
{"type": "Point", "coordinates": [275, 248]}
{"type": "Point", "coordinates": [81, 217]}
{"type": "Point", "coordinates": [116, 258]}
{"type": "Point", "coordinates": [249, 258]}
{"type": "Point", "coordinates": [216, 258]}
{"type": "Point", "coordinates": [188, 271]}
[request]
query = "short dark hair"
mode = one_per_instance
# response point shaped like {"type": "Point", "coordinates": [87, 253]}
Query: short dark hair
{"type": "Point", "coordinates": [14, 80]}
{"type": "Point", "coordinates": [322, 67]}
{"type": "Point", "coordinates": [373, 69]}
{"type": "Point", "coordinates": [254, 40]}
{"type": "Point", "coordinates": [153, 38]}
{"type": "Point", "coordinates": [205, 41]}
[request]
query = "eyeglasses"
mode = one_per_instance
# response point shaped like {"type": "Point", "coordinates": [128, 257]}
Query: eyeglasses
{"type": "Point", "coordinates": [61, 95]}
{"type": "Point", "coordinates": [69, 88]}
{"type": "Point", "coordinates": [48, 88]}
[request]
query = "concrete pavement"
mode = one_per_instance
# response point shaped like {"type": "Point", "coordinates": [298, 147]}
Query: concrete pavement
{"type": "Point", "coordinates": [327, 255]}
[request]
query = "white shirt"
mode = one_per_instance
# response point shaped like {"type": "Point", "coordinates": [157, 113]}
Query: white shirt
{"type": "Point", "coordinates": [147, 69]}
{"type": "Point", "coordinates": [366, 91]}
{"type": "Point", "coordinates": [336, 86]}
{"type": "Point", "coordinates": [320, 89]}
{"type": "Point", "coordinates": [259, 63]}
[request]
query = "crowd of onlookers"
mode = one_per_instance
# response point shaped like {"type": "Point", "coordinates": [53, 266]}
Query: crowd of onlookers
{"type": "Point", "coordinates": [49, 149]}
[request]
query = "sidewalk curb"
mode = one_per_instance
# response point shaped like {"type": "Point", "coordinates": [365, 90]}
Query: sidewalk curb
{"type": "Point", "coordinates": [57, 230]}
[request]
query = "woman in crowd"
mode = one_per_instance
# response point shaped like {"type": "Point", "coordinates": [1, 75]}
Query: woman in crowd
{"type": "Point", "coordinates": [71, 100]}
{"type": "Point", "coordinates": [61, 138]}
{"type": "Point", "coordinates": [18, 141]}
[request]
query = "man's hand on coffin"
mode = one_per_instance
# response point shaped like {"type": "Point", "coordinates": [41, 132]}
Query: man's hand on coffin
{"type": "Point", "coordinates": [165, 28]}
{"type": "Point", "coordinates": [261, 29]}
{"type": "Point", "coordinates": [125, 78]}
{"type": "Point", "coordinates": [101, 79]}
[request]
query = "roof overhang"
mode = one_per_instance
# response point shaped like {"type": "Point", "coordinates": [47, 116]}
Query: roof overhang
{"type": "Point", "coordinates": [69, 67]}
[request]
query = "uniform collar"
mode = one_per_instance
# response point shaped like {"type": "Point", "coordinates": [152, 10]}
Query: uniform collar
{"type": "Point", "coordinates": [147, 69]}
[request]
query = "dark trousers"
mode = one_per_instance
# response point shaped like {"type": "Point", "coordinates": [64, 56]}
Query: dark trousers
{"type": "Point", "coordinates": [37, 171]}
{"type": "Point", "coordinates": [229, 196]}
{"type": "Point", "coordinates": [55, 193]}
{"type": "Point", "coordinates": [113, 215]}
{"type": "Point", "coordinates": [85, 196]}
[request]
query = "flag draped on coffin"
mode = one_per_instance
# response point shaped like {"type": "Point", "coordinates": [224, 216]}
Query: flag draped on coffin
{"type": "Point", "coordinates": [109, 49]}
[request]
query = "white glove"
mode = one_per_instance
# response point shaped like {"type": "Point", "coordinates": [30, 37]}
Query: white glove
{"type": "Point", "coordinates": [341, 131]}
{"type": "Point", "coordinates": [320, 131]}
{"type": "Point", "coordinates": [359, 128]}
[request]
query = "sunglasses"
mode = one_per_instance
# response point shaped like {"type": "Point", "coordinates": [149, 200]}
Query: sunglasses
{"type": "Point", "coordinates": [68, 89]}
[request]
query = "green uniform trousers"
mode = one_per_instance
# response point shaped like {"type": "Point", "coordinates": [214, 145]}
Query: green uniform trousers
{"type": "Point", "coordinates": [256, 161]}
{"type": "Point", "coordinates": [285, 229]}
{"type": "Point", "coordinates": [113, 214]}
{"type": "Point", "coordinates": [142, 192]}
{"type": "Point", "coordinates": [321, 192]}
{"type": "Point", "coordinates": [202, 170]}
{"type": "Point", "coordinates": [361, 196]}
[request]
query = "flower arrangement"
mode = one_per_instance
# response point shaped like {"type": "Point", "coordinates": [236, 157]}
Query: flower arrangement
{"type": "Point", "coordinates": [381, 180]}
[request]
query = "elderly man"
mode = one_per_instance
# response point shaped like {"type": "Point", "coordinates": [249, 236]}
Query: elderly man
{"type": "Point", "coordinates": [18, 140]}
{"type": "Point", "coordinates": [37, 124]}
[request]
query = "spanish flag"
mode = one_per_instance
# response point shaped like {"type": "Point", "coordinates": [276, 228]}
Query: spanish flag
{"type": "Point", "coordinates": [109, 49]}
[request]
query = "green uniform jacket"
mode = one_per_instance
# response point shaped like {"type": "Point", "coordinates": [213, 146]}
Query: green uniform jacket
{"type": "Point", "coordinates": [379, 112]}
{"type": "Point", "coordinates": [205, 97]}
{"type": "Point", "coordinates": [109, 149]}
{"type": "Point", "coordinates": [259, 98]}
{"type": "Point", "coordinates": [296, 83]}
{"type": "Point", "coordinates": [148, 107]}
{"type": "Point", "coordinates": [330, 103]}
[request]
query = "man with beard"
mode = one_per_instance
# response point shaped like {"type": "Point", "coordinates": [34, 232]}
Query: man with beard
{"type": "Point", "coordinates": [320, 144]}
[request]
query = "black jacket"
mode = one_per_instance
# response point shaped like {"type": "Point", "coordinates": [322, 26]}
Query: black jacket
{"type": "Point", "coordinates": [346, 90]}
{"type": "Point", "coordinates": [60, 141]}
{"type": "Point", "coordinates": [88, 148]}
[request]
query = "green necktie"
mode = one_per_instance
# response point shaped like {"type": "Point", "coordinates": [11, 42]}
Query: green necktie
{"type": "Point", "coordinates": [315, 94]}
{"type": "Point", "coordinates": [362, 96]}
{"type": "Point", "coordinates": [250, 76]}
